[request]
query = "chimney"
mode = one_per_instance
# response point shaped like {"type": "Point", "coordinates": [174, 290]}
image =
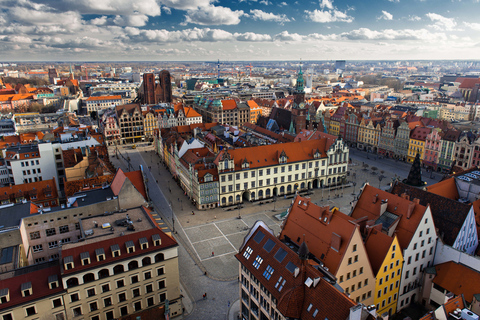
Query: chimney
{"type": "Point", "coordinates": [336, 242]}
{"type": "Point", "coordinates": [383, 206]}
{"type": "Point", "coordinates": [375, 198]}
{"type": "Point", "coordinates": [356, 312]}
{"type": "Point", "coordinates": [411, 206]}
{"type": "Point", "coordinates": [416, 200]}
{"type": "Point", "coordinates": [405, 196]}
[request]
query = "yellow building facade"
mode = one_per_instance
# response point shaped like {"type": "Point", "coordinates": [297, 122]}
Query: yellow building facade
{"type": "Point", "coordinates": [387, 282]}
{"type": "Point", "coordinates": [149, 124]}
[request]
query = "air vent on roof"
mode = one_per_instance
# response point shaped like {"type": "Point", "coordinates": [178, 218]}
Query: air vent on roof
{"type": "Point", "coordinates": [309, 282]}
{"type": "Point", "coordinates": [296, 272]}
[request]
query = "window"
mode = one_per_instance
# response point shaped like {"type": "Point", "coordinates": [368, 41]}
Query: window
{"type": "Point", "coordinates": [149, 288]}
{"type": "Point", "coordinates": [258, 261]}
{"type": "Point", "coordinates": [107, 302]}
{"type": "Point", "coordinates": [35, 235]}
{"type": "Point", "coordinates": [74, 297]}
{"type": "Point", "coordinates": [161, 284]}
{"type": "Point", "coordinates": [37, 248]}
{"type": "Point", "coordinates": [90, 292]}
{"type": "Point", "coordinates": [354, 248]}
{"type": "Point", "coordinates": [163, 296]}
{"type": "Point", "coordinates": [120, 283]}
{"type": "Point", "coordinates": [106, 287]}
{"type": "Point", "coordinates": [124, 311]}
{"type": "Point", "coordinates": [147, 275]}
{"type": "Point", "coordinates": [57, 303]}
{"type": "Point", "coordinates": [137, 306]}
{"type": "Point", "coordinates": [63, 229]}
{"type": "Point", "coordinates": [122, 297]}
{"type": "Point", "coordinates": [150, 301]}
{"type": "Point", "coordinates": [93, 306]}
{"type": "Point", "coordinates": [134, 279]}
{"type": "Point", "coordinates": [380, 282]}
{"type": "Point", "coordinates": [30, 311]}
{"type": "Point", "coordinates": [136, 292]}
{"type": "Point", "coordinates": [77, 311]}
{"type": "Point", "coordinates": [268, 272]}
{"type": "Point", "coordinates": [160, 271]}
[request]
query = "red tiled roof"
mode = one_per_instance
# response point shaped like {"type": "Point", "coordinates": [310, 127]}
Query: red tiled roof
{"type": "Point", "coordinates": [294, 297]}
{"type": "Point", "coordinates": [136, 179]}
{"type": "Point", "coordinates": [469, 83]}
{"type": "Point", "coordinates": [267, 155]}
{"type": "Point", "coordinates": [446, 188]}
{"type": "Point", "coordinates": [454, 304]}
{"type": "Point", "coordinates": [166, 242]}
{"type": "Point", "coordinates": [420, 133]}
{"type": "Point", "coordinates": [366, 207]}
{"type": "Point", "coordinates": [377, 245]}
{"type": "Point", "coordinates": [458, 279]}
{"type": "Point", "coordinates": [305, 222]}
{"type": "Point", "coordinates": [229, 104]}
{"type": "Point", "coordinates": [104, 98]}
{"type": "Point", "coordinates": [40, 286]}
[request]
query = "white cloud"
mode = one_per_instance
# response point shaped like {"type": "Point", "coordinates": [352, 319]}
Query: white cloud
{"type": "Point", "coordinates": [100, 21]}
{"type": "Point", "coordinates": [414, 18]}
{"type": "Point", "coordinates": [385, 16]}
{"type": "Point", "coordinates": [390, 34]}
{"type": "Point", "coordinates": [265, 2]}
{"type": "Point", "coordinates": [167, 10]}
{"type": "Point", "coordinates": [323, 16]}
{"type": "Point", "coordinates": [286, 36]}
{"type": "Point", "coordinates": [268, 16]}
{"type": "Point", "coordinates": [326, 4]}
{"type": "Point", "coordinates": [254, 37]}
{"type": "Point", "coordinates": [186, 4]}
{"type": "Point", "coordinates": [473, 25]}
{"type": "Point", "coordinates": [394, 0]}
{"type": "Point", "coordinates": [441, 22]}
{"type": "Point", "coordinates": [134, 20]}
{"type": "Point", "coordinates": [212, 15]}
{"type": "Point", "coordinates": [70, 19]}
{"type": "Point", "coordinates": [282, 4]}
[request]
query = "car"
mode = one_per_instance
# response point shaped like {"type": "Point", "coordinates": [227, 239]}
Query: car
{"type": "Point", "coordinates": [465, 178]}
{"type": "Point", "coordinates": [134, 147]}
{"type": "Point", "coordinates": [476, 173]}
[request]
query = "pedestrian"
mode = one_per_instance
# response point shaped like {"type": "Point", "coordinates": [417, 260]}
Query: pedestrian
{"type": "Point", "coordinates": [205, 295]}
{"type": "Point", "coordinates": [193, 213]}
{"type": "Point", "coordinates": [213, 253]}
{"type": "Point", "coordinates": [229, 303]}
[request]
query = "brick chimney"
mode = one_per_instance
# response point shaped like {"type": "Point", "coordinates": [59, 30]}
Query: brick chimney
{"type": "Point", "coordinates": [411, 206]}
{"type": "Point", "coordinates": [336, 242]}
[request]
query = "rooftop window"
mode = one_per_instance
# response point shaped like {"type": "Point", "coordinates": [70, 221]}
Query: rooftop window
{"type": "Point", "coordinates": [259, 237]}
{"type": "Point", "coordinates": [258, 261]}
{"type": "Point", "coordinates": [280, 255]}
{"type": "Point", "coordinates": [268, 272]}
{"type": "Point", "coordinates": [269, 245]}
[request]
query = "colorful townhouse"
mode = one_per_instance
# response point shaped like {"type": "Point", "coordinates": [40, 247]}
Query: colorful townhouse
{"type": "Point", "coordinates": [335, 240]}
{"type": "Point", "coordinates": [385, 256]}
{"type": "Point", "coordinates": [433, 144]}
{"type": "Point", "coordinates": [416, 143]}
{"type": "Point", "coordinates": [447, 156]}
{"type": "Point", "coordinates": [413, 225]}
{"type": "Point", "coordinates": [387, 138]}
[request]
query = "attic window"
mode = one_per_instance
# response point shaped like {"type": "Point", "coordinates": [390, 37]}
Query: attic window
{"type": "Point", "coordinates": [156, 240]}
{"type": "Point", "coordinates": [143, 243]}
{"type": "Point", "coordinates": [26, 289]}
{"type": "Point", "coordinates": [291, 267]}
{"type": "Point", "coordinates": [53, 281]}
{"type": "Point", "coordinates": [4, 296]}
{"type": "Point", "coordinates": [100, 254]}
{"type": "Point", "coordinates": [68, 263]}
{"type": "Point", "coordinates": [259, 237]}
{"type": "Point", "coordinates": [115, 250]}
{"type": "Point", "coordinates": [268, 272]}
{"type": "Point", "coordinates": [247, 253]}
{"type": "Point", "coordinates": [280, 284]}
{"type": "Point", "coordinates": [258, 261]}
{"type": "Point", "coordinates": [280, 255]}
{"type": "Point", "coordinates": [269, 245]}
{"type": "Point", "coordinates": [85, 257]}
{"type": "Point", "coordinates": [130, 246]}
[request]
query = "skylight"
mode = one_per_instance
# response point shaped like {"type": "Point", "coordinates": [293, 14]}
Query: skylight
{"type": "Point", "coordinates": [259, 237]}
{"type": "Point", "coordinates": [269, 245]}
{"type": "Point", "coordinates": [280, 255]}
{"type": "Point", "coordinates": [291, 267]}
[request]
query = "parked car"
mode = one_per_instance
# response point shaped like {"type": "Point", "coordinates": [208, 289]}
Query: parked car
{"type": "Point", "coordinates": [465, 178]}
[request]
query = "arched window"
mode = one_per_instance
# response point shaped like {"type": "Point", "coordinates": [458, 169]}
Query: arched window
{"type": "Point", "coordinates": [72, 282]}
{"type": "Point", "coordinates": [302, 186]}
{"type": "Point", "coordinates": [230, 199]}
{"type": "Point", "coordinates": [146, 261]}
{"type": "Point", "coordinates": [260, 194]}
{"type": "Point", "coordinates": [89, 277]}
{"type": "Point", "coordinates": [132, 265]}
{"type": "Point", "coordinates": [224, 200]}
{"type": "Point", "coordinates": [159, 257]}
{"type": "Point", "coordinates": [103, 273]}
{"type": "Point", "coordinates": [289, 188]}
{"type": "Point", "coordinates": [118, 269]}
{"type": "Point", "coordinates": [237, 198]}
{"type": "Point", "coordinates": [252, 196]}
{"type": "Point", "coordinates": [267, 193]}
{"type": "Point", "coordinates": [282, 190]}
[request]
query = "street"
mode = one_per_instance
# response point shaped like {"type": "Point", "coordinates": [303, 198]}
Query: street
{"type": "Point", "coordinates": [208, 240]}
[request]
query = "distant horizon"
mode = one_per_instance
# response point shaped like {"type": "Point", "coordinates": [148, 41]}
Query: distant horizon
{"type": "Point", "coordinates": [238, 30]}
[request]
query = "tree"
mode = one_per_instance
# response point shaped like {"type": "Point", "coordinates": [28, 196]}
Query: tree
{"type": "Point", "coordinates": [415, 175]}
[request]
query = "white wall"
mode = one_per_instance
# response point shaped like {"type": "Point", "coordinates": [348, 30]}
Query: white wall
{"type": "Point", "coordinates": [446, 253]}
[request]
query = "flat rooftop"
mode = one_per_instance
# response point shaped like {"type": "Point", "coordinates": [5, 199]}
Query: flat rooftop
{"type": "Point", "coordinates": [112, 225]}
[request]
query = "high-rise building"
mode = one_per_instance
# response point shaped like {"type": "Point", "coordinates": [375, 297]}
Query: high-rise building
{"type": "Point", "coordinates": [154, 91]}
{"type": "Point", "coordinates": [148, 86]}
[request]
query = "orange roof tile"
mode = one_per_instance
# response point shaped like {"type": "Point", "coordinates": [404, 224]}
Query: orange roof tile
{"type": "Point", "coordinates": [190, 112]}
{"type": "Point", "coordinates": [136, 179]}
{"type": "Point", "coordinates": [377, 245]}
{"type": "Point", "coordinates": [305, 222]}
{"type": "Point", "coordinates": [369, 205]}
{"type": "Point", "coordinates": [104, 98]}
{"type": "Point", "coordinates": [446, 188]}
{"type": "Point", "coordinates": [458, 279]}
{"type": "Point", "coordinates": [454, 304]}
{"type": "Point", "coordinates": [229, 104]}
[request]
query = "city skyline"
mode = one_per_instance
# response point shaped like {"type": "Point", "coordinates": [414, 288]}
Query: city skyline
{"type": "Point", "coordinates": [199, 30]}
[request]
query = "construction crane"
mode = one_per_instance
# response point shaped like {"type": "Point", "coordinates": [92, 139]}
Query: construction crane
{"type": "Point", "coordinates": [250, 67]}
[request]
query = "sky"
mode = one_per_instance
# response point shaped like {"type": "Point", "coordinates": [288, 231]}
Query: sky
{"type": "Point", "coordinates": [248, 30]}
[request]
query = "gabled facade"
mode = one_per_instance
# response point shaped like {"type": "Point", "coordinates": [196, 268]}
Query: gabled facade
{"type": "Point", "coordinates": [386, 258]}
{"type": "Point", "coordinates": [335, 240]}
{"type": "Point", "coordinates": [447, 155]}
{"type": "Point", "coordinates": [368, 134]}
{"type": "Point", "coordinates": [464, 151]}
{"type": "Point", "coordinates": [414, 228]}
{"type": "Point", "coordinates": [417, 143]}
{"type": "Point", "coordinates": [402, 140]}
{"type": "Point", "coordinates": [351, 129]}
{"type": "Point", "coordinates": [433, 145]}
{"type": "Point", "coordinates": [131, 124]}
{"type": "Point", "coordinates": [387, 138]}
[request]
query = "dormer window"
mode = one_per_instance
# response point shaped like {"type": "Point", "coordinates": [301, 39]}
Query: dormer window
{"type": "Point", "coordinates": [100, 254]}
{"type": "Point", "coordinates": [130, 247]}
{"type": "Point", "coordinates": [143, 243]}
{"type": "Point", "coordinates": [26, 289]}
{"type": "Point", "coordinates": [157, 241]}
{"type": "Point", "coordinates": [68, 263]}
{"type": "Point", "coordinates": [225, 165]}
{"type": "Point", "coordinates": [115, 250]}
{"type": "Point", "coordinates": [85, 257]}
{"type": "Point", "coordinates": [4, 296]}
{"type": "Point", "coordinates": [53, 281]}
